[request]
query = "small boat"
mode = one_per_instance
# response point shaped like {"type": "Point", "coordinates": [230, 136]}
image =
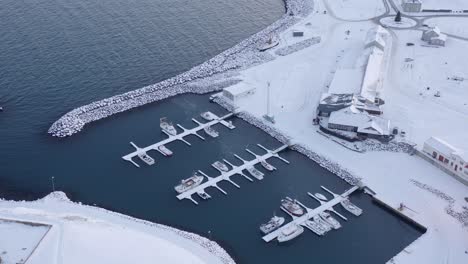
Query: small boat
{"type": "Point", "coordinates": [321, 196]}
{"type": "Point", "coordinates": [273, 224]}
{"type": "Point", "coordinates": [292, 207]}
{"type": "Point", "coordinates": [315, 227]}
{"type": "Point", "coordinates": [1, 109]}
{"type": "Point", "coordinates": [220, 166]}
{"type": "Point", "coordinates": [330, 220]}
{"type": "Point", "coordinates": [146, 158]}
{"type": "Point", "coordinates": [350, 207]}
{"type": "Point", "coordinates": [203, 195]}
{"type": "Point", "coordinates": [324, 225]}
{"type": "Point", "coordinates": [255, 173]}
{"type": "Point", "coordinates": [165, 151]}
{"type": "Point", "coordinates": [267, 166]}
{"type": "Point", "coordinates": [290, 232]}
{"type": "Point", "coordinates": [167, 126]}
{"type": "Point", "coordinates": [208, 116]}
{"type": "Point", "coordinates": [228, 124]}
{"type": "Point", "coordinates": [211, 132]}
{"type": "Point", "coordinates": [189, 183]}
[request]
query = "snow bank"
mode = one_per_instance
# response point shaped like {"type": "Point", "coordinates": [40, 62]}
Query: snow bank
{"type": "Point", "coordinates": [243, 55]}
{"type": "Point", "coordinates": [91, 222]}
{"type": "Point", "coordinates": [297, 46]}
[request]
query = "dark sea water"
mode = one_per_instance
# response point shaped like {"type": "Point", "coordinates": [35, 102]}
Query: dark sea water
{"type": "Point", "coordinates": [56, 55]}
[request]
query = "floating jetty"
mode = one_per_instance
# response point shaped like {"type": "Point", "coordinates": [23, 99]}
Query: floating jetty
{"type": "Point", "coordinates": [310, 213]}
{"type": "Point", "coordinates": [180, 136]}
{"type": "Point", "coordinates": [226, 176]}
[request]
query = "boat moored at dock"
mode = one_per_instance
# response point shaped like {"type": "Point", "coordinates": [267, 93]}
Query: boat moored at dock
{"type": "Point", "coordinates": [290, 232]}
{"type": "Point", "coordinates": [292, 207]}
{"type": "Point", "coordinates": [189, 183]}
{"type": "Point", "coordinates": [271, 225]}
{"type": "Point", "coordinates": [350, 207]}
{"type": "Point", "coordinates": [220, 166]}
{"type": "Point", "coordinates": [255, 173]}
{"type": "Point", "coordinates": [167, 126]}
{"type": "Point", "coordinates": [203, 195]}
{"type": "Point", "coordinates": [330, 220]}
{"type": "Point", "coordinates": [208, 116]}
{"type": "Point", "coordinates": [267, 166]}
{"type": "Point", "coordinates": [316, 227]}
{"type": "Point", "coordinates": [321, 196]}
{"type": "Point", "coordinates": [146, 158]}
{"type": "Point", "coordinates": [164, 150]}
{"type": "Point", "coordinates": [211, 132]}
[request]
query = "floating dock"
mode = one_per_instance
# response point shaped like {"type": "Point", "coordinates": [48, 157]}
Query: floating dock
{"type": "Point", "coordinates": [310, 213]}
{"type": "Point", "coordinates": [226, 176]}
{"type": "Point", "coordinates": [185, 132]}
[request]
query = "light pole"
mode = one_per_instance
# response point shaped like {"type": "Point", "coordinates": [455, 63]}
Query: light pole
{"type": "Point", "coordinates": [53, 183]}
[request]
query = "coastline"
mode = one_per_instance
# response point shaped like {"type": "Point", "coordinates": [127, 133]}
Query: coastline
{"type": "Point", "coordinates": [207, 77]}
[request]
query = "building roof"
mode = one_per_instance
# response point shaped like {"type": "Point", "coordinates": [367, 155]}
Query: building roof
{"type": "Point", "coordinates": [334, 102]}
{"type": "Point", "coordinates": [364, 122]}
{"type": "Point", "coordinates": [441, 36]}
{"type": "Point", "coordinates": [346, 81]}
{"type": "Point", "coordinates": [372, 74]}
{"type": "Point", "coordinates": [239, 89]}
{"type": "Point", "coordinates": [376, 37]}
{"type": "Point", "coordinates": [445, 148]}
{"type": "Point", "coordinates": [413, 1]}
{"type": "Point", "coordinates": [434, 29]}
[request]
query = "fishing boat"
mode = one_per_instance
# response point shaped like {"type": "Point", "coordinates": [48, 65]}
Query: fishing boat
{"type": "Point", "coordinates": [208, 116]}
{"type": "Point", "coordinates": [220, 166]}
{"type": "Point", "coordinates": [321, 196]}
{"type": "Point", "coordinates": [255, 173]}
{"type": "Point", "coordinates": [330, 220]}
{"type": "Point", "coordinates": [211, 132]}
{"type": "Point", "coordinates": [272, 42]}
{"type": "Point", "coordinates": [267, 166]}
{"type": "Point", "coordinates": [228, 124]}
{"type": "Point", "coordinates": [292, 207]}
{"type": "Point", "coordinates": [146, 158]}
{"type": "Point", "coordinates": [167, 126]}
{"type": "Point", "coordinates": [271, 225]}
{"type": "Point", "coordinates": [203, 195]}
{"type": "Point", "coordinates": [290, 232]}
{"type": "Point", "coordinates": [350, 207]}
{"type": "Point", "coordinates": [316, 227]}
{"type": "Point", "coordinates": [189, 183]}
{"type": "Point", "coordinates": [325, 226]}
{"type": "Point", "coordinates": [165, 151]}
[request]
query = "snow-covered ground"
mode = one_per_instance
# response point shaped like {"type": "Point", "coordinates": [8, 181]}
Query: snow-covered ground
{"type": "Point", "coordinates": [445, 4]}
{"type": "Point", "coordinates": [85, 234]}
{"type": "Point", "coordinates": [450, 25]}
{"type": "Point", "coordinates": [356, 9]}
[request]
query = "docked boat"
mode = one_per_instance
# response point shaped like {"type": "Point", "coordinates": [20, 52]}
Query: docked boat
{"type": "Point", "coordinates": [290, 232]}
{"type": "Point", "coordinates": [267, 166]}
{"type": "Point", "coordinates": [203, 195]}
{"type": "Point", "coordinates": [189, 183]}
{"type": "Point", "coordinates": [330, 220]}
{"type": "Point", "coordinates": [324, 225]}
{"type": "Point", "coordinates": [272, 42]}
{"type": "Point", "coordinates": [350, 207]}
{"type": "Point", "coordinates": [211, 132]}
{"type": "Point", "coordinates": [228, 124]}
{"type": "Point", "coordinates": [316, 227]}
{"type": "Point", "coordinates": [167, 126]}
{"type": "Point", "coordinates": [292, 207]}
{"type": "Point", "coordinates": [165, 151]}
{"type": "Point", "coordinates": [255, 173]}
{"type": "Point", "coordinates": [320, 196]}
{"type": "Point", "coordinates": [208, 116]}
{"type": "Point", "coordinates": [220, 166]}
{"type": "Point", "coordinates": [146, 158]}
{"type": "Point", "coordinates": [273, 224]}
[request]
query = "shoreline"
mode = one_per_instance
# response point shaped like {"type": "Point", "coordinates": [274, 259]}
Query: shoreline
{"type": "Point", "coordinates": [206, 77]}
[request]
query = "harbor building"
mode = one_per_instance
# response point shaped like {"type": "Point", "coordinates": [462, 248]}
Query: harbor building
{"type": "Point", "coordinates": [236, 92]}
{"type": "Point", "coordinates": [447, 156]}
{"type": "Point", "coordinates": [411, 6]}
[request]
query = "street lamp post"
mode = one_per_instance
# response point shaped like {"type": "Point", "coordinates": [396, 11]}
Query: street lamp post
{"type": "Point", "coordinates": [53, 183]}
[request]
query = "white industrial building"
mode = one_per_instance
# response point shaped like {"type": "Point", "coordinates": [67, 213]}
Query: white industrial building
{"type": "Point", "coordinates": [236, 92]}
{"type": "Point", "coordinates": [447, 156]}
{"type": "Point", "coordinates": [411, 6]}
{"type": "Point", "coordinates": [433, 36]}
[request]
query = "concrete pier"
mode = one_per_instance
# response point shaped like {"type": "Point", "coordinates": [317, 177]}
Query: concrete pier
{"type": "Point", "coordinates": [185, 132]}
{"type": "Point", "coordinates": [226, 176]}
{"type": "Point", "coordinates": [310, 213]}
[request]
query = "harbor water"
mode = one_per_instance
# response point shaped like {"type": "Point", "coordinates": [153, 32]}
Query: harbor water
{"type": "Point", "coordinates": [57, 55]}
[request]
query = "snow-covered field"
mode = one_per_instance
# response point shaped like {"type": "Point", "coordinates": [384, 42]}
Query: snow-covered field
{"type": "Point", "coordinates": [356, 9]}
{"type": "Point", "coordinates": [18, 240]}
{"type": "Point", "coordinates": [85, 234]}
{"type": "Point", "coordinates": [445, 4]}
{"type": "Point", "coordinates": [450, 25]}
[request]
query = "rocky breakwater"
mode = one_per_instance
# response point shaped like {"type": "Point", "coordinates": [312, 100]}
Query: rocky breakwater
{"type": "Point", "coordinates": [212, 75]}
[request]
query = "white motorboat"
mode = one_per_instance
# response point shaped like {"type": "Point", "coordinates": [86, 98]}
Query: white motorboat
{"type": "Point", "coordinates": [292, 207]}
{"type": "Point", "coordinates": [290, 232]}
{"type": "Point", "coordinates": [146, 158]}
{"type": "Point", "coordinates": [167, 126]}
{"type": "Point", "coordinates": [211, 132]}
{"type": "Point", "coordinates": [255, 173]}
{"type": "Point", "coordinates": [267, 166]}
{"type": "Point", "coordinates": [321, 196]}
{"type": "Point", "coordinates": [165, 151]}
{"type": "Point", "coordinates": [273, 224]}
{"type": "Point", "coordinates": [189, 183]}
{"type": "Point", "coordinates": [220, 166]}
{"type": "Point", "coordinates": [203, 195]}
{"type": "Point", "coordinates": [208, 116]}
{"type": "Point", "coordinates": [325, 226]}
{"type": "Point", "coordinates": [316, 227]}
{"type": "Point", "coordinates": [350, 207]}
{"type": "Point", "coordinates": [330, 220]}
{"type": "Point", "coordinates": [228, 124]}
